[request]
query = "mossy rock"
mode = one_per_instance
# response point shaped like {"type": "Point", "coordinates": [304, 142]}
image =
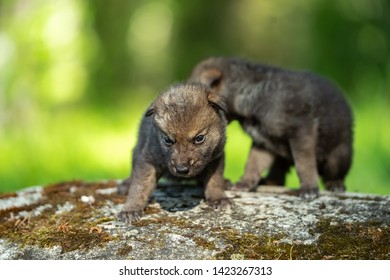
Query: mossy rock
{"type": "Point", "coordinates": [77, 220]}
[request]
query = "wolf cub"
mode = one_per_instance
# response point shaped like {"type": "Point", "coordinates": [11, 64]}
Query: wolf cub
{"type": "Point", "coordinates": [294, 118]}
{"type": "Point", "coordinates": [182, 136]}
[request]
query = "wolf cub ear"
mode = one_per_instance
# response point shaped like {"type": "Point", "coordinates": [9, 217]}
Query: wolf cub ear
{"type": "Point", "coordinates": [150, 111]}
{"type": "Point", "coordinates": [211, 77]}
{"type": "Point", "coordinates": [217, 101]}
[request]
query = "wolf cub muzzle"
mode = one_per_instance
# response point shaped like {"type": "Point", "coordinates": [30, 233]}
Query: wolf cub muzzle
{"type": "Point", "coordinates": [182, 136]}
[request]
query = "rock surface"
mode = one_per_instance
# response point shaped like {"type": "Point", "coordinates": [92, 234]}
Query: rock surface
{"type": "Point", "coordinates": [77, 220]}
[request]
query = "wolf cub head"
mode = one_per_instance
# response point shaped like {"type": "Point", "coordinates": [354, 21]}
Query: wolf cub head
{"type": "Point", "coordinates": [190, 124]}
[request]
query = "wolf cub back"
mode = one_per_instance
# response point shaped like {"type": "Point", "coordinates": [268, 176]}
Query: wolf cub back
{"type": "Point", "coordinates": [293, 118]}
{"type": "Point", "coordinates": [182, 136]}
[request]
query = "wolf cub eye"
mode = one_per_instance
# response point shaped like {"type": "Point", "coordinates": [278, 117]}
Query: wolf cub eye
{"type": "Point", "coordinates": [199, 139]}
{"type": "Point", "coordinates": [168, 141]}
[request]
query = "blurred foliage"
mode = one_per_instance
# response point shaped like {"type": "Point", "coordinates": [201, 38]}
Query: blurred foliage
{"type": "Point", "coordinates": [76, 76]}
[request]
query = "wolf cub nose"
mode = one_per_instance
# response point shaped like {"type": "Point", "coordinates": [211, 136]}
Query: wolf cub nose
{"type": "Point", "coordinates": [182, 169]}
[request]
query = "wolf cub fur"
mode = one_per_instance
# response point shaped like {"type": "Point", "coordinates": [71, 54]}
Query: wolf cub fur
{"type": "Point", "coordinates": [294, 118]}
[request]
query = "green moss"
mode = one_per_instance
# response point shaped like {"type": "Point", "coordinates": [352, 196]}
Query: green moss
{"type": "Point", "coordinates": [125, 250]}
{"type": "Point", "coordinates": [152, 210]}
{"type": "Point", "coordinates": [202, 242]}
{"type": "Point", "coordinates": [70, 240]}
{"type": "Point", "coordinates": [353, 241]}
{"type": "Point", "coordinates": [336, 241]}
{"type": "Point", "coordinates": [251, 246]}
{"type": "Point", "coordinates": [72, 230]}
{"type": "Point", "coordinates": [103, 220]}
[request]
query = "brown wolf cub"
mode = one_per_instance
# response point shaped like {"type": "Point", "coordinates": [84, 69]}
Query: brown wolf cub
{"type": "Point", "coordinates": [182, 136]}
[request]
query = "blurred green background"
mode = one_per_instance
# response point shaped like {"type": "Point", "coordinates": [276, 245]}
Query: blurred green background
{"type": "Point", "coordinates": [76, 76]}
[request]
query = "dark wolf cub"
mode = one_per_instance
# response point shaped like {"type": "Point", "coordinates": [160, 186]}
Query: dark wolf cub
{"type": "Point", "coordinates": [294, 118]}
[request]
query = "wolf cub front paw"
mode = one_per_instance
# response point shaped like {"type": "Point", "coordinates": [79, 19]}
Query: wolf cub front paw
{"type": "Point", "coordinates": [220, 203]}
{"type": "Point", "coordinates": [130, 216]}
